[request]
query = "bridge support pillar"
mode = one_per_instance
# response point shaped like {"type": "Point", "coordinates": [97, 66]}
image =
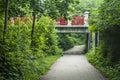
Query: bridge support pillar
{"type": "Point", "coordinates": [88, 41]}
{"type": "Point", "coordinates": [96, 39]}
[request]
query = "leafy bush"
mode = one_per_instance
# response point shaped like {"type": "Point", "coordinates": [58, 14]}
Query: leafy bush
{"type": "Point", "coordinates": [106, 56]}
{"type": "Point", "coordinates": [17, 51]}
{"type": "Point", "coordinates": [108, 25]}
{"type": "Point", "coordinates": [22, 59]}
{"type": "Point", "coordinates": [64, 42]}
{"type": "Point", "coordinates": [45, 37]}
{"type": "Point", "coordinates": [67, 41]}
{"type": "Point", "coordinates": [109, 69]}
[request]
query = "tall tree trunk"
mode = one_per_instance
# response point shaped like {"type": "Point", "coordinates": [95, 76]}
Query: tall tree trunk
{"type": "Point", "coordinates": [3, 52]}
{"type": "Point", "coordinates": [6, 19]}
{"type": "Point", "coordinates": [33, 25]}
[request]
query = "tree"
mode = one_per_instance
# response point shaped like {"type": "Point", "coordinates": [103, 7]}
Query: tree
{"type": "Point", "coordinates": [57, 8]}
{"type": "Point", "coordinates": [21, 9]}
{"type": "Point", "coordinates": [64, 7]}
{"type": "Point", "coordinates": [35, 5]}
{"type": "Point", "coordinates": [6, 19]}
{"type": "Point", "coordinates": [50, 8]}
{"type": "Point", "coordinates": [2, 11]}
{"type": "Point", "coordinates": [80, 6]}
{"type": "Point", "coordinates": [108, 24]}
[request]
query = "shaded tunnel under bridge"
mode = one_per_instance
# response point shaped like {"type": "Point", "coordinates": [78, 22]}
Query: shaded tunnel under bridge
{"type": "Point", "coordinates": [79, 29]}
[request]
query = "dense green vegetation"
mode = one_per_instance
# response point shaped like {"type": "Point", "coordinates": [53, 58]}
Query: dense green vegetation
{"type": "Point", "coordinates": [28, 47]}
{"type": "Point", "coordinates": [22, 59]}
{"type": "Point", "coordinates": [80, 6]}
{"type": "Point", "coordinates": [67, 41]}
{"type": "Point", "coordinates": [106, 56]}
{"type": "Point", "coordinates": [29, 43]}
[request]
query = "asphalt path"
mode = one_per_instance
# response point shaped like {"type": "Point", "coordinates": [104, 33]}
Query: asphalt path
{"type": "Point", "coordinates": [73, 67]}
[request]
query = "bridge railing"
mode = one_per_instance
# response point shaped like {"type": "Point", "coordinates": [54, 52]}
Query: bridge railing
{"type": "Point", "coordinates": [76, 20]}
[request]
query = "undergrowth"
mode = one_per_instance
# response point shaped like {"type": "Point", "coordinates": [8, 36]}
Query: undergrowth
{"type": "Point", "coordinates": [109, 69]}
{"type": "Point", "coordinates": [43, 67]}
{"type": "Point", "coordinates": [23, 57]}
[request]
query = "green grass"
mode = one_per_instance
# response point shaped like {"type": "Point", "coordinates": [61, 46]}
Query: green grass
{"type": "Point", "coordinates": [40, 67]}
{"type": "Point", "coordinates": [48, 61]}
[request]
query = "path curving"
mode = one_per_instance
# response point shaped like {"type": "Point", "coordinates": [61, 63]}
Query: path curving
{"type": "Point", "coordinates": [73, 67]}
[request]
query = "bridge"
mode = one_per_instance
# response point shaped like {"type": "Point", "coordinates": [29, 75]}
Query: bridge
{"type": "Point", "coordinates": [63, 29]}
{"type": "Point", "coordinates": [72, 29]}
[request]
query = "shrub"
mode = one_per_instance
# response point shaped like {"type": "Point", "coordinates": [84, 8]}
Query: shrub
{"type": "Point", "coordinates": [22, 60]}
{"type": "Point", "coordinates": [67, 41]}
{"type": "Point", "coordinates": [45, 37]}
{"type": "Point", "coordinates": [108, 68]}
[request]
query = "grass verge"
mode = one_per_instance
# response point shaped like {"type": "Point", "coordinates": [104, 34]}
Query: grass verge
{"type": "Point", "coordinates": [40, 67]}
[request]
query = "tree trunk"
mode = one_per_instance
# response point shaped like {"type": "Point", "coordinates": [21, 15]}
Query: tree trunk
{"type": "Point", "coordinates": [33, 25]}
{"type": "Point", "coordinates": [6, 19]}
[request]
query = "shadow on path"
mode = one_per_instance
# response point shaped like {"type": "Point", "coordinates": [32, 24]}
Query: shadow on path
{"type": "Point", "coordinates": [76, 50]}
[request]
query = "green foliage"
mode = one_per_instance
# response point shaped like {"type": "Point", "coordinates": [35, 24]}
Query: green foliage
{"type": "Point", "coordinates": [106, 56]}
{"type": "Point", "coordinates": [1, 17]}
{"type": "Point", "coordinates": [93, 20]}
{"type": "Point", "coordinates": [22, 8]}
{"type": "Point", "coordinates": [51, 8]}
{"type": "Point", "coordinates": [40, 67]}
{"type": "Point", "coordinates": [1, 7]}
{"type": "Point", "coordinates": [80, 6]}
{"type": "Point", "coordinates": [67, 41]}
{"type": "Point", "coordinates": [13, 56]}
{"type": "Point", "coordinates": [64, 42]}
{"type": "Point", "coordinates": [1, 37]}
{"type": "Point", "coordinates": [45, 37]}
{"type": "Point", "coordinates": [109, 14]}
{"type": "Point", "coordinates": [57, 8]}
{"type": "Point", "coordinates": [93, 28]}
{"type": "Point", "coordinates": [110, 70]}
{"type": "Point", "coordinates": [22, 59]}
{"type": "Point", "coordinates": [93, 16]}
{"type": "Point", "coordinates": [109, 26]}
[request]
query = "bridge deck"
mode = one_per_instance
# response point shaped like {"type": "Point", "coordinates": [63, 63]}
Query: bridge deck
{"type": "Point", "coordinates": [72, 29]}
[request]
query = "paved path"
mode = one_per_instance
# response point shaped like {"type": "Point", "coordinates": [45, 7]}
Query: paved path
{"type": "Point", "coordinates": [76, 50]}
{"type": "Point", "coordinates": [73, 67]}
